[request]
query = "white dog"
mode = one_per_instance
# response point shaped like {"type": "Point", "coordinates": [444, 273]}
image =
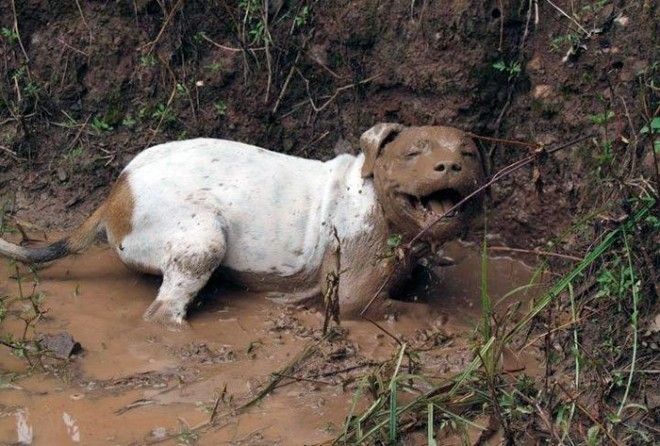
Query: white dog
{"type": "Point", "coordinates": [277, 222]}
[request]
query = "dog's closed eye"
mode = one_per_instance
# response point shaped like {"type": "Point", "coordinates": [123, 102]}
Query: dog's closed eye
{"type": "Point", "coordinates": [412, 153]}
{"type": "Point", "coordinates": [468, 154]}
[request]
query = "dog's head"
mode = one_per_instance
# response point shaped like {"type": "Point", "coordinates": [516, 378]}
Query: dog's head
{"type": "Point", "coordinates": [421, 172]}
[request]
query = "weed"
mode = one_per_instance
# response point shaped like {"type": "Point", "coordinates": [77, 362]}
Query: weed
{"type": "Point", "coordinates": [30, 312]}
{"type": "Point", "coordinates": [128, 121]}
{"type": "Point", "coordinates": [511, 69]}
{"type": "Point", "coordinates": [601, 118]}
{"type": "Point", "coordinates": [187, 436]}
{"type": "Point", "coordinates": [73, 156]}
{"type": "Point", "coordinates": [653, 129]}
{"type": "Point", "coordinates": [214, 67]}
{"type": "Point", "coordinates": [9, 34]}
{"type": "Point", "coordinates": [164, 113]}
{"type": "Point", "coordinates": [100, 124]}
{"type": "Point", "coordinates": [220, 108]}
{"type": "Point", "coordinates": [254, 22]}
{"type": "Point", "coordinates": [148, 60]}
{"type": "Point", "coordinates": [571, 40]}
{"type": "Point", "coordinates": [301, 18]}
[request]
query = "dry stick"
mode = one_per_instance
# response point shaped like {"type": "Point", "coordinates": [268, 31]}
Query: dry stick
{"type": "Point", "coordinates": [286, 83]}
{"type": "Point", "coordinates": [20, 41]}
{"type": "Point", "coordinates": [267, 39]}
{"type": "Point", "coordinates": [222, 47]}
{"type": "Point", "coordinates": [573, 398]}
{"type": "Point", "coordinates": [162, 28]}
{"type": "Point", "coordinates": [505, 141]}
{"type": "Point", "coordinates": [335, 94]}
{"type": "Point", "coordinates": [495, 178]}
{"type": "Point", "coordinates": [536, 252]}
{"type": "Point", "coordinates": [300, 378]}
{"type": "Point", "coordinates": [82, 16]}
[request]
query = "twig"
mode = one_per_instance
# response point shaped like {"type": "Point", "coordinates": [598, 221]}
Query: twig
{"type": "Point", "coordinates": [588, 414]}
{"type": "Point", "coordinates": [633, 318]}
{"type": "Point", "coordinates": [504, 172]}
{"type": "Point", "coordinates": [532, 145]}
{"type": "Point", "coordinates": [286, 83]}
{"type": "Point", "coordinates": [336, 93]}
{"type": "Point", "coordinates": [82, 16]}
{"type": "Point", "coordinates": [72, 47]}
{"type": "Point", "coordinates": [536, 252]}
{"type": "Point", "coordinates": [586, 33]}
{"type": "Point", "coordinates": [300, 378]}
{"type": "Point", "coordinates": [20, 41]}
{"type": "Point", "coordinates": [162, 28]}
{"type": "Point", "coordinates": [222, 47]}
{"type": "Point", "coordinates": [267, 40]}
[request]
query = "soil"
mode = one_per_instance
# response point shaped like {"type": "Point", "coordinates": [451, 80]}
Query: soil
{"type": "Point", "coordinates": [86, 85]}
{"type": "Point", "coordinates": [136, 382]}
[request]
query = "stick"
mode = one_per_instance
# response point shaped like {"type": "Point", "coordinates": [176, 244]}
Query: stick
{"type": "Point", "coordinates": [506, 171]}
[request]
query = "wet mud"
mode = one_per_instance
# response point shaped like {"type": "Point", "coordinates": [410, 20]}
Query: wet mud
{"type": "Point", "coordinates": [140, 383]}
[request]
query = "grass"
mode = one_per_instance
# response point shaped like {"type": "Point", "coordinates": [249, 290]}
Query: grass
{"type": "Point", "coordinates": [516, 402]}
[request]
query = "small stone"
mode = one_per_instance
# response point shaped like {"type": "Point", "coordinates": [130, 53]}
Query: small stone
{"type": "Point", "coordinates": [61, 174]}
{"type": "Point", "coordinates": [287, 144]}
{"type": "Point", "coordinates": [199, 84]}
{"type": "Point", "coordinates": [61, 344]}
{"type": "Point", "coordinates": [535, 64]}
{"type": "Point", "coordinates": [622, 21]}
{"type": "Point", "coordinates": [159, 433]}
{"type": "Point", "coordinates": [543, 91]}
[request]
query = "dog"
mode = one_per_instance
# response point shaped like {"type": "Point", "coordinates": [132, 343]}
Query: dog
{"type": "Point", "coordinates": [276, 222]}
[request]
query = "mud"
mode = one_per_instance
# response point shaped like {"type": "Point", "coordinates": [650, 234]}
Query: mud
{"type": "Point", "coordinates": [138, 382]}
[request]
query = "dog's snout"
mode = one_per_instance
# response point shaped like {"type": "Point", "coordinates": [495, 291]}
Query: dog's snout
{"type": "Point", "coordinates": [441, 167]}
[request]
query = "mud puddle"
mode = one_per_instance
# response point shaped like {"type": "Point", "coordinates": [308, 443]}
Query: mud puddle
{"type": "Point", "coordinates": [138, 383]}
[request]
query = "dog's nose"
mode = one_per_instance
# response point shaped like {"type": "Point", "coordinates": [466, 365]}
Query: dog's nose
{"type": "Point", "coordinates": [441, 167]}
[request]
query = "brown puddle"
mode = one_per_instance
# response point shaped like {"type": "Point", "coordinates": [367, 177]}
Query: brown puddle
{"type": "Point", "coordinates": [136, 381]}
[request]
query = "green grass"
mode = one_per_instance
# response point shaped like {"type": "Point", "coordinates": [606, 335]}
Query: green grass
{"type": "Point", "coordinates": [482, 387]}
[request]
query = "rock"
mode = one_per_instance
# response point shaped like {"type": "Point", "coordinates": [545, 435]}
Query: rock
{"type": "Point", "coordinates": [535, 64]}
{"type": "Point", "coordinates": [61, 344]}
{"type": "Point", "coordinates": [622, 21]}
{"type": "Point", "coordinates": [159, 433]}
{"type": "Point", "coordinates": [543, 91]}
{"type": "Point", "coordinates": [62, 175]}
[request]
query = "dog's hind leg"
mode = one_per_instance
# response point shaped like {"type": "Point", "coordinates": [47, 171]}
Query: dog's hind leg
{"type": "Point", "coordinates": [187, 269]}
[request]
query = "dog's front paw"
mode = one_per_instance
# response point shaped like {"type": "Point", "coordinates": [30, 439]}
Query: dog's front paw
{"type": "Point", "coordinates": [166, 314]}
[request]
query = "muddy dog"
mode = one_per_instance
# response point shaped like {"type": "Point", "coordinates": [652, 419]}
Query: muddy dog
{"type": "Point", "coordinates": [276, 222]}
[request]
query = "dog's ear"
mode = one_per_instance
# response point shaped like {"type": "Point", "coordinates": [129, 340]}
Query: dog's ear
{"type": "Point", "coordinates": [373, 140]}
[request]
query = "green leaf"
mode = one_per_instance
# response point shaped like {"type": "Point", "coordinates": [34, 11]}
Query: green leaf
{"type": "Point", "coordinates": [394, 240]}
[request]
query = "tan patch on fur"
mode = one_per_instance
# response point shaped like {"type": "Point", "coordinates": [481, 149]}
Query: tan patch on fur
{"type": "Point", "coordinates": [118, 211]}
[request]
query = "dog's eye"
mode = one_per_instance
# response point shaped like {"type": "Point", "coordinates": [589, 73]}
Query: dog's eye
{"type": "Point", "coordinates": [469, 154]}
{"type": "Point", "coordinates": [412, 154]}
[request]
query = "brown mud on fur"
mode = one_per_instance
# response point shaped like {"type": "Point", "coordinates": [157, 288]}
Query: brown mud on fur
{"type": "Point", "coordinates": [144, 381]}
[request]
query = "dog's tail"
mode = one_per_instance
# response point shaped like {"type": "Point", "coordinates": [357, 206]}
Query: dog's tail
{"type": "Point", "coordinates": [75, 242]}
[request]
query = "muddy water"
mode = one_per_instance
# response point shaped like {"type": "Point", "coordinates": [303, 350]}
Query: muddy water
{"type": "Point", "coordinates": [137, 382]}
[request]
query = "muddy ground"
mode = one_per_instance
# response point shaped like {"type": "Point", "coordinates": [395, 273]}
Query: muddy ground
{"type": "Point", "coordinates": [135, 382]}
{"type": "Point", "coordinates": [86, 85]}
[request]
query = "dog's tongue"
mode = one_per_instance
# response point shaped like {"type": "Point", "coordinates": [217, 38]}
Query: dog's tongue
{"type": "Point", "coordinates": [440, 206]}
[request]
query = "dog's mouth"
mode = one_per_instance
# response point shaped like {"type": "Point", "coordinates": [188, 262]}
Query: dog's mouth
{"type": "Point", "coordinates": [437, 203]}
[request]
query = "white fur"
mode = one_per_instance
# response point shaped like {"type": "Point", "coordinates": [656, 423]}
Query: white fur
{"type": "Point", "coordinates": [269, 212]}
